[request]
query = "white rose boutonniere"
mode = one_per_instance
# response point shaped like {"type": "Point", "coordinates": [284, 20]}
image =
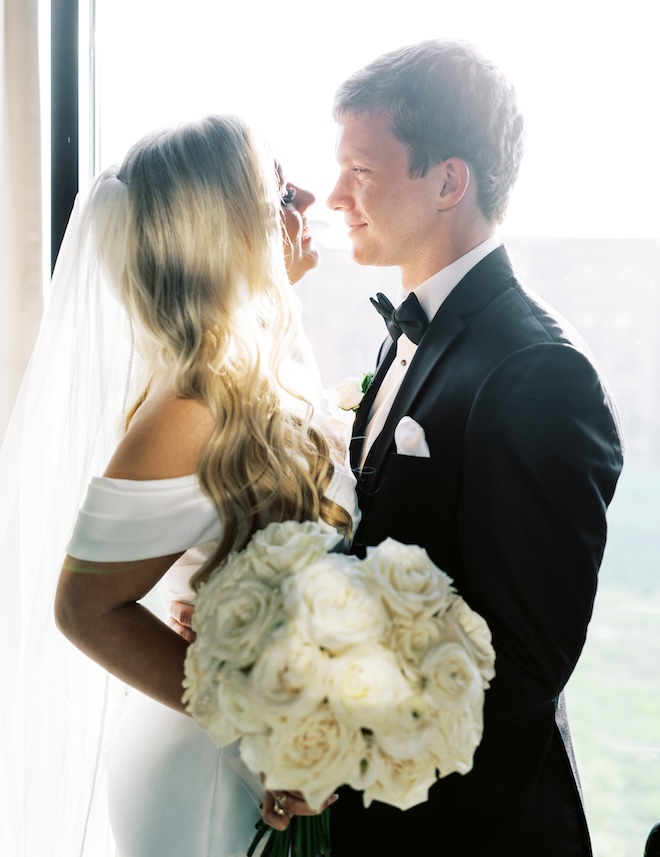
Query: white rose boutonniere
{"type": "Point", "coordinates": [350, 391]}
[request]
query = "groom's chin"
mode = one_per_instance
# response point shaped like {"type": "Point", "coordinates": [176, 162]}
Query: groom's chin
{"type": "Point", "coordinates": [364, 255]}
{"type": "Point", "coordinates": [371, 253]}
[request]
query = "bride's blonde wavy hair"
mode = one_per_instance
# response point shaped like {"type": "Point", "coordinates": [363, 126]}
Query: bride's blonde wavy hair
{"type": "Point", "coordinates": [205, 285]}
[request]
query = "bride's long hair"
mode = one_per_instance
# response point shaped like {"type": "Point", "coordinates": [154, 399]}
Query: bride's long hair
{"type": "Point", "coordinates": [204, 282]}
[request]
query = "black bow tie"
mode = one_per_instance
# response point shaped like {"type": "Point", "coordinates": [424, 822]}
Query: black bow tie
{"type": "Point", "coordinates": [409, 318]}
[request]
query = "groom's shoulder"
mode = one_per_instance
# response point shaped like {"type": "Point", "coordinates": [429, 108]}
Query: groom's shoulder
{"type": "Point", "coordinates": [516, 316]}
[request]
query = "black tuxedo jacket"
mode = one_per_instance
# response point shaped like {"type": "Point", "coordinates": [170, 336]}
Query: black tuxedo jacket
{"type": "Point", "coordinates": [525, 454]}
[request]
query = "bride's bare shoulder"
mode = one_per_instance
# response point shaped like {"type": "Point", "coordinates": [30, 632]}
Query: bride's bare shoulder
{"type": "Point", "coordinates": [165, 439]}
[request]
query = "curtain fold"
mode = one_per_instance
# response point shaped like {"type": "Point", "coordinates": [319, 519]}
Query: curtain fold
{"type": "Point", "coordinates": [21, 271]}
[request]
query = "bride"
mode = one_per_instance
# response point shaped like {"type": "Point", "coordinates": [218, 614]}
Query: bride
{"type": "Point", "coordinates": [220, 439]}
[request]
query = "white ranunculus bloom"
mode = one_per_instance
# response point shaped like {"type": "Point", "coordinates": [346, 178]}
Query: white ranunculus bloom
{"type": "Point", "coordinates": [411, 728]}
{"type": "Point", "coordinates": [411, 585]}
{"type": "Point", "coordinates": [334, 605]}
{"type": "Point", "coordinates": [453, 680]}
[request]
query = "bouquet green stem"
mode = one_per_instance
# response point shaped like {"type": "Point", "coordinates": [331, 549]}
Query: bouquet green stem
{"type": "Point", "coordinates": [306, 836]}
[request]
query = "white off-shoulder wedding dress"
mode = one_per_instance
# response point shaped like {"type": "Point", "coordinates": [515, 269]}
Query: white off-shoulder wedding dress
{"type": "Point", "coordinates": [171, 792]}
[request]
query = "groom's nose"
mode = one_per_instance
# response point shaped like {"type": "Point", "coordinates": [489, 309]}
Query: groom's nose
{"type": "Point", "coordinates": [339, 199]}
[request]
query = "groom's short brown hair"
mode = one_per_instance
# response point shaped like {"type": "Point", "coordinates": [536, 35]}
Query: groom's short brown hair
{"type": "Point", "coordinates": [445, 100]}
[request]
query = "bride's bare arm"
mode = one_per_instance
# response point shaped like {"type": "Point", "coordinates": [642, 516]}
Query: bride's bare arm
{"type": "Point", "coordinates": [96, 603]}
{"type": "Point", "coordinates": [96, 608]}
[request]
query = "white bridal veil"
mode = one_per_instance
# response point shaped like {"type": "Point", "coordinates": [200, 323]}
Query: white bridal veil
{"type": "Point", "coordinates": [58, 706]}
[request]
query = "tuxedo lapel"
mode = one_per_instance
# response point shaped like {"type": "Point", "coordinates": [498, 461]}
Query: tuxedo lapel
{"type": "Point", "coordinates": [476, 289]}
{"type": "Point", "coordinates": [362, 416]}
{"type": "Point", "coordinates": [443, 330]}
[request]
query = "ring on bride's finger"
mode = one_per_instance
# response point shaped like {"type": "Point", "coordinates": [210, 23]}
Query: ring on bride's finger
{"type": "Point", "coordinates": [278, 805]}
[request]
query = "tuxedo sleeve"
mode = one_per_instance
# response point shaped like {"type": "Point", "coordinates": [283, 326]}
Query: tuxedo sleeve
{"type": "Point", "coordinates": [541, 458]}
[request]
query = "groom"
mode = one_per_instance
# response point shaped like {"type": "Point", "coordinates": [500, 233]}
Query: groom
{"type": "Point", "coordinates": [507, 457]}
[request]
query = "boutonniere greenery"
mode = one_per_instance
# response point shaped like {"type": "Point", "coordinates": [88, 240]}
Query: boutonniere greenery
{"type": "Point", "coordinates": [351, 391]}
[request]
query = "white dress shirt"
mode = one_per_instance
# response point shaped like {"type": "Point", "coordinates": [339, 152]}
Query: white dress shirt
{"type": "Point", "coordinates": [431, 294]}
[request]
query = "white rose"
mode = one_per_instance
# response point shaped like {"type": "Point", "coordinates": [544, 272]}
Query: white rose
{"type": "Point", "coordinates": [410, 638]}
{"type": "Point", "coordinates": [314, 756]}
{"type": "Point", "coordinates": [475, 635]}
{"type": "Point", "coordinates": [457, 737]}
{"type": "Point", "coordinates": [220, 729]}
{"type": "Point", "coordinates": [232, 626]}
{"type": "Point", "coordinates": [201, 676]}
{"type": "Point", "coordinates": [334, 604]}
{"type": "Point", "coordinates": [237, 704]}
{"type": "Point", "coordinates": [221, 705]}
{"type": "Point", "coordinates": [213, 592]}
{"type": "Point", "coordinates": [366, 686]}
{"type": "Point", "coordinates": [200, 683]}
{"type": "Point", "coordinates": [453, 679]}
{"type": "Point", "coordinates": [284, 548]}
{"type": "Point", "coordinates": [237, 565]}
{"type": "Point", "coordinates": [289, 679]}
{"type": "Point", "coordinates": [403, 783]}
{"type": "Point", "coordinates": [349, 394]}
{"type": "Point", "coordinates": [411, 585]}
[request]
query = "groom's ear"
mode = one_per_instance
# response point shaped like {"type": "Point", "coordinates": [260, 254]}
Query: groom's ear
{"type": "Point", "coordinates": [453, 181]}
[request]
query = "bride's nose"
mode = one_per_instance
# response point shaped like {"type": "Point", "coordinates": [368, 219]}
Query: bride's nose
{"type": "Point", "coordinates": [303, 199]}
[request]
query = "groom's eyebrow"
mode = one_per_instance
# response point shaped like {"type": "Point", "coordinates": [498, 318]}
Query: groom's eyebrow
{"type": "Point", "coordinates": [355, 154]}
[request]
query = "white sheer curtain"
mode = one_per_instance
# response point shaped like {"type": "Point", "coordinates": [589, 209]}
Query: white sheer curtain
{"type": "Point", "coordinates": [20, 195]}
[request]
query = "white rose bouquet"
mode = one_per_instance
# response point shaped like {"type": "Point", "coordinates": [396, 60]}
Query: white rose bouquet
{"type": "Point", "coordinates": [330, 669]}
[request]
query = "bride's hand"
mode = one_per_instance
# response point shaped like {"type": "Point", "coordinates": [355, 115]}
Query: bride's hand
{"type": "Point", "coordinates": [290, 804]}
{"type": "Point", "coordinates": [180, 620]}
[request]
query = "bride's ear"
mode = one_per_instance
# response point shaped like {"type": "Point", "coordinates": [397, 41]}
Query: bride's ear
{"type": "Point", "coordinates": [453, 182]}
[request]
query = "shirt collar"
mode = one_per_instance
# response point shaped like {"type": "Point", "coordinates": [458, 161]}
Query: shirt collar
{"type": "Point", "coordinates": [433, 292]}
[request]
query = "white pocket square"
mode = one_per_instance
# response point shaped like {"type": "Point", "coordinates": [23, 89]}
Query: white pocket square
{"type": "Point", "coordinates": [410, 439]}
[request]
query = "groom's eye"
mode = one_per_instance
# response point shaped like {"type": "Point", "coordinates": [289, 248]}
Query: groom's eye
{"type": "Point", "coordinates": [288, 196]}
